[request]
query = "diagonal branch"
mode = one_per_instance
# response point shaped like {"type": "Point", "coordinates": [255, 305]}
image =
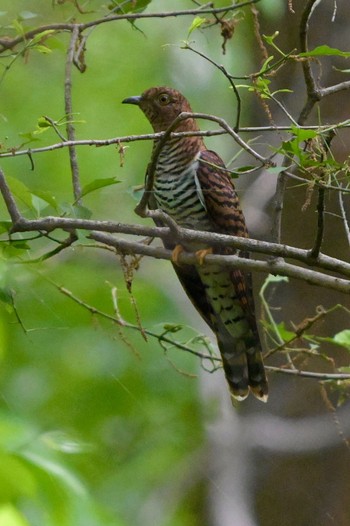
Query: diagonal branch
{"type": "Point", "coordinates": [9, 200]}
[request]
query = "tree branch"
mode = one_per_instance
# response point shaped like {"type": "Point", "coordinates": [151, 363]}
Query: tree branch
{"type": "Point", "coordinates": [272, 267]}
{"type": "Point", "coordinates": [8, 43]}
{"type": "Point", "coordinates": [69, 113]}
{"type": "Point", "coordinates": [9, 200]}
{"type": "Point", "coordinates": [51, 223]}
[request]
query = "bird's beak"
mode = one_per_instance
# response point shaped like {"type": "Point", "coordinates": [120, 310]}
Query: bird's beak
{"type": "Point", "coordinates": [133, 100]}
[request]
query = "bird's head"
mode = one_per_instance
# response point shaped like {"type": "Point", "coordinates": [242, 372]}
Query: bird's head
{"type": "Point", "coordinates": [162, 105]}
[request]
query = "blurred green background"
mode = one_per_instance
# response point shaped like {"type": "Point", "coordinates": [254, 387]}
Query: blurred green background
{"type": "Point", "coordinates": [98, 426]}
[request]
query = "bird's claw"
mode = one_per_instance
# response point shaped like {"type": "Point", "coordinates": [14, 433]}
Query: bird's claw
{"type": "Point", "coordinates": [201, 254]}
{"type": "Point", "coordinates": [176, 254]}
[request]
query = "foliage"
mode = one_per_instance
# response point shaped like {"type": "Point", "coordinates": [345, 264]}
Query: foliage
{"type": "Point", "coordinates": [100, 417]}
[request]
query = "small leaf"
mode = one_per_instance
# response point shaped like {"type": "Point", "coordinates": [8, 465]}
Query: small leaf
{"type": "Point", "coordinates": [46, 196]}
{"type": "Point", "coordinates": [325, 51]}
{"type": "Point", "coordinates": [302, 134]}
{"type": "Point", "coordinates": [37, 38]}
{"type": "Point", "coordinates": [42, 49]}
{"type": "Point", "coordinates": [270, 38]}
{"type": "Point", "coordinates": [284, 333]}
{"type": "Point", "coordinates": [98, 183]}
{"type": "Point", "coordinates": [43, 123]}
{"type": "Point", "coordinates": [18, 27]}
{"type": "Point", "coordinates": [172, 327]}
{"type": "Point", "coordinates": [131, 6]}
{"type": "Point", "coordinates": [81, 212]}
{"type": "Point", "coordinates": [196, 23]}
{"type": "Point", "coordinates": [343, 338]}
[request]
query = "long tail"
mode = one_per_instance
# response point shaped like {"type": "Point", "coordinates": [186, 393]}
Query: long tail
{"type": "Point", "coordinates": [244, 371]}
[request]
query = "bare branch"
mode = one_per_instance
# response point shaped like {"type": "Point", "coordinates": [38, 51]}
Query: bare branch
{"type": "Point", "coordinates": [69, 112]}
{"type": "Point", "coordinates": [310, 374]}
{"type": "Point", "coordinates": [50, 223]}
{"type": "Point", "coordinates": [273, 266]}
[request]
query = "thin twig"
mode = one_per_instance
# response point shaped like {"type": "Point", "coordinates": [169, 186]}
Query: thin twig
{"type": "Point", "coordinates": [178, 345]}
{"type": "Point", "coordinates": [312, 98]}
{"type": "Point", "coordinates": [310, 374]}
{"type": "Point", "coordinates": [69, 112]}
{"type": "Point", "coordinates": [229, 77]}
{"type": "Point", "coordinates": [345, 220]}
{"type": "Point", "coordinates": [320, 223]}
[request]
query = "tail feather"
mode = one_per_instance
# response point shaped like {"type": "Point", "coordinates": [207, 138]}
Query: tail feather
{"type": "Point", "coordinates": [257, 376]}
{"type": "Point", "coordinates": [244, 371]}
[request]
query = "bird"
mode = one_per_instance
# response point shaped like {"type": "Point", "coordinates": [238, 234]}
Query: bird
{"type": "Point", "coordinates": [193, 187]}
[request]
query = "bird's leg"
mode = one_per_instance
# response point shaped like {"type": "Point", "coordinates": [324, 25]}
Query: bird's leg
{"type": "Point", "coordinates": [176, 253]}
{"type": "Point", "coordinates": [201, 254]}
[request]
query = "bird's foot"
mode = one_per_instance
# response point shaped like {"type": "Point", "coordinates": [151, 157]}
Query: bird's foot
{"type": "Point", "coordinates": [201, 254]}
{"type": "Point", "coordinates": [176, 254]}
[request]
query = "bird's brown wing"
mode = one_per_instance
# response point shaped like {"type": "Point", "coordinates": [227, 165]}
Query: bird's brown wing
{"type": "Point", "coordinates": [222, 204]}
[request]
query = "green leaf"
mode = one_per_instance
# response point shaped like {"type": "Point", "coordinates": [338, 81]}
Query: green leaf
{"type": "Point", "coordinates": [284, 333]}
{"type": "Point", "coordinates": [18, 27]}
{"type": "Point", "coordinates": [20, 191]}
{"type": "Point", "coordinates": [132, 6]}
{"type": "Point", "coordinates": [42, 49]}
{"type": "Point", "coordinates": [196, 23]}
{"type": "Point", "coordinates": [302, 134]}
{"type": "Point", "coordinates": [325, 51]}
{"type": "Point", "coordinates": [78, 211]}
{"type": "Point", "coordinates": [38, 38]}
{"type": "Point", "coordinates": [172, 327]}
{"type": "Point", "coordinates": [46, 196]}
{"type": "Point", "coordinates": [343, 339]}
{"type": "Point", "coordinates": [97, 184]}
{"type": "Point", "coordinates": [43, 123]}
{"type": "Point", "coordinates": [270, 38]}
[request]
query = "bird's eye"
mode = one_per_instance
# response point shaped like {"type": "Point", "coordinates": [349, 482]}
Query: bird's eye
{"type": "Point", "coordinates": [164, 99]}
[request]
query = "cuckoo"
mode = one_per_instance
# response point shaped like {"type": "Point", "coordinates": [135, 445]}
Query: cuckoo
{"type": "Point", "coordinates": [193, 186]}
